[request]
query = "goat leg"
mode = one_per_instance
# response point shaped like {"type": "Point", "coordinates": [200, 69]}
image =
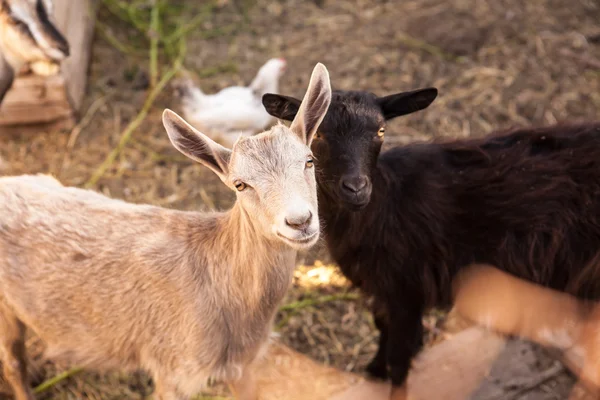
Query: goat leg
{"type": "Point", "coordinates": [377, 368]}
{"type": "Point", "coordinates": [406, 331]}
{"type": "Point", "coordinates": [12, 346]}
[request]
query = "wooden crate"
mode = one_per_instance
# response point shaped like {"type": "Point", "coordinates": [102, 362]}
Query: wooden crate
{"type": "Point", "coordinates": [37, 103]}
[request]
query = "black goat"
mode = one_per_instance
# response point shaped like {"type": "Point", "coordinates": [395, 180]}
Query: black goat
{"type": "Point", "coordinates": [402, 224]}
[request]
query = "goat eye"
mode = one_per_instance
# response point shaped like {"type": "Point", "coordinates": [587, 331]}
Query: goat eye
{"type": "Point", "coordinates": [310, 162]}
{"type": "Point", "coordinates": [240, 186]}
{"type": "Point", "coordinates": [381, 132]}
{"type": "Point", "coordinates": [318, 135]}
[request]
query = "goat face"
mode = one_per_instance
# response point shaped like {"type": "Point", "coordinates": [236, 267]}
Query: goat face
{"type": "Point", "coordinates": [350, 137]}
{"type": "Point", "coordinates": [272, 171]}
{"type": "Point", "coordinates": [28, 32]}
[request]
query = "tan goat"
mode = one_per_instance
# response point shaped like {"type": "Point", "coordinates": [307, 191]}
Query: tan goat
{"type": "Point", "coordinates": [511, 306]}
{"type": "Point", "coordinates": [187, 296]}
{"type": "Point", "coordinates": [28, 36]}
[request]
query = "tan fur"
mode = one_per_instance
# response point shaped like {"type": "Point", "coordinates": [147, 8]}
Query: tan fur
{"type": "Point", "coordinates": [186, 296]}
{"type": "Point", "coordinates": [508, 305]}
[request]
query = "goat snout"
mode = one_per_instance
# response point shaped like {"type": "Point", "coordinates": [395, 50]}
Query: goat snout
{"type": "Point", "coordinates": [354, 184]}
{"type": "Point", "coordinates": [355, 191]}
{"type": "Point", "coordinates": [299, 221]}
{"type": "Point", "coordinates": [57, 48]}
{"type": "Point", "coordinates": [299, 227]}
{"type": "Point", "coordinates": [63, 47]}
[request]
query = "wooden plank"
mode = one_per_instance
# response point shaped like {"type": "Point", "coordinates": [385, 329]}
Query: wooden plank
{"type": "Point", "coordinates": [76, 20]}
{"type": "Point", "coordinates": [39, 103]}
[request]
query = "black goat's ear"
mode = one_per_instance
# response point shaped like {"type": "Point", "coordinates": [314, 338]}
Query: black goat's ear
{"type": "Point", "coordinates": [405, 103]}
{"type": "Point", "coordinates": [282, 107]}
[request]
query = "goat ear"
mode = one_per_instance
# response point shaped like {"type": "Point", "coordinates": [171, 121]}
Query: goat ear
{"type": "Point", "coordinates": [196, 145]}
{"type": "Point", "coordinates": [314, 105]}
{"type": "Point", "coordinates": [405, 103]}
{"type": "Point", "coordinates": [282, 107]}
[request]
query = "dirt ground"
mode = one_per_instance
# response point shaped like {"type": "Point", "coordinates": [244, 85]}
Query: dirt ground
{"type": "Point", "coordinates": [496, 63]}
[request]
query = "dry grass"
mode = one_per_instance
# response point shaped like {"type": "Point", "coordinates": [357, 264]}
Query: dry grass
{"type": "Point", "coordinates": [496, 63]}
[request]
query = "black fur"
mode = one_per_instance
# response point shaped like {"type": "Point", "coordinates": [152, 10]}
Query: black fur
{"type": "Point", "coordinates": [525, 200]}
{"type": "Point", "coordinates": [55, 36]}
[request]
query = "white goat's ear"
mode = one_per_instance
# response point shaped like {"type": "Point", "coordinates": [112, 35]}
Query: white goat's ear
{"type": "Point", "coordinates": [314, 105]}
{"type": "Point", "coordinates": [196, 145]}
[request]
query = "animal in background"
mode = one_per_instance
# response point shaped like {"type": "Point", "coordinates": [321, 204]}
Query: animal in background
{"type": "Point", "coordinates": [186, 296]}
{"type": "Point", "coordinates": [506, 304]}
{"type": "Point", "coordinates": [402, 223]}
{"type": "Point", "coordinates": [235, 110]}
{"type": "Point", "coordinates": [28, 38]}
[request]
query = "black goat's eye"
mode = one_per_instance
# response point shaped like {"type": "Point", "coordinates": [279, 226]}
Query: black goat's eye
{"type": "Point", "coordinates": [240, 186]}
{"type": "Point", "coordinates": [310, 162]}
{"type": "Point", "coordinates": [381, 132]}
{"type": "Point", "coordinates": [318, 135]}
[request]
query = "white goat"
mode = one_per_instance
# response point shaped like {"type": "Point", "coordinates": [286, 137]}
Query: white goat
{"type": "Point", "coordinates": [187, 296]}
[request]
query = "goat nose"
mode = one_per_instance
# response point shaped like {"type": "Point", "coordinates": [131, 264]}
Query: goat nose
{"type": "Point", "coordinates": [355, 184]}
{"type": "Point", "coordinates": [64, 47]}
{"type": "Point", "coordinates": [299, 221]}
{"type": "Point", "coordinates": [56, 42]}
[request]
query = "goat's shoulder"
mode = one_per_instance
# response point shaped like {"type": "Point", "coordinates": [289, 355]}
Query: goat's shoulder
{"type": "Point", "coordinates": [413, 156]}
{"type": "Point", "coordinates": [12, 184]}
{"type": "Point", "coordinates": [417, 168]}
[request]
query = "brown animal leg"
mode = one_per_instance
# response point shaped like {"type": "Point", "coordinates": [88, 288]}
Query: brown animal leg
{"type": "Point", "coordinates": [12, 347]}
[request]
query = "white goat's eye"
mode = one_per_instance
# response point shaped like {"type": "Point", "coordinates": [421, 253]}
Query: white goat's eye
{"type": "Point", "coordinates": [240, 186]}
{"type": "Point", "coordinates": [381, 132]}
{"type": "Point", "coordinates": [310, 162]}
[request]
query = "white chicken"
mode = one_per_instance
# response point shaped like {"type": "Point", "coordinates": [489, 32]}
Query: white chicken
{"type": "Point", "coordinates": [235, 110]}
